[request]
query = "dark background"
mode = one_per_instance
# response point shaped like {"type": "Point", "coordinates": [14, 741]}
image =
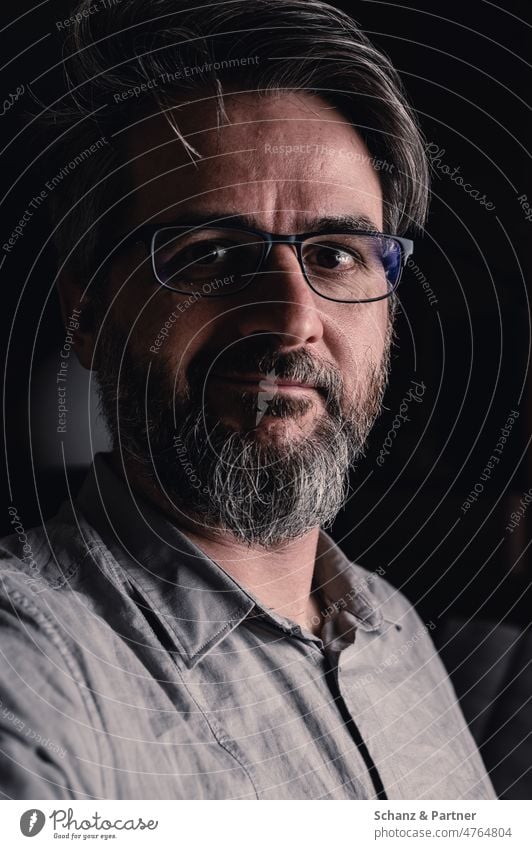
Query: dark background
{"type": "Point", "coordinates": [465, 67]}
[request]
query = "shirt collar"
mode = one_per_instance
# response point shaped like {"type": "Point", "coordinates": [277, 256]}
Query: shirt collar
{"type": "Point", "coordinates": [344, 587]}
{"type": "Point", "coordinates": [198, 601]}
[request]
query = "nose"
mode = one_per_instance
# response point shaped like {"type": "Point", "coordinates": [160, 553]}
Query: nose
{"type": "Point", "coordinates": [280, 302]}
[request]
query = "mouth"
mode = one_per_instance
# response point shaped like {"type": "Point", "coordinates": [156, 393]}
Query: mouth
{"type": "Point", "coordinates": [255, 382]}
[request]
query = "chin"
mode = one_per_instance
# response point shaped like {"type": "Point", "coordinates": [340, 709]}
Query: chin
{"type": "Point", "coordinates": [272, 430]}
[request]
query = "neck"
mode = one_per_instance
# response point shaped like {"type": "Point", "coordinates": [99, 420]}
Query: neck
{"type": "Point", "coordinates": [280, 578]}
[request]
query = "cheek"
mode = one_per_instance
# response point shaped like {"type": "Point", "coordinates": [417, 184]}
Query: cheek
{"type": "Point", "coordinates": [157, 318]}
{"type": "Point", "coordinates": [174, 330]}
{"type": "Point", "coordinates": [358, 334]}
{"type": "Point", "coordinates": [379, 327]}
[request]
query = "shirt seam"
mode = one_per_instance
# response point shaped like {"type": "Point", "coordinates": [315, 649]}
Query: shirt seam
{"type": "Point", "coordinates": [217, 732]}
{"type": "Point", "coordinates": [237, 617]}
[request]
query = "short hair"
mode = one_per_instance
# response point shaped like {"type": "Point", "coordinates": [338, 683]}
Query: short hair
{"type": "Point", "coordinates": [134, 58]}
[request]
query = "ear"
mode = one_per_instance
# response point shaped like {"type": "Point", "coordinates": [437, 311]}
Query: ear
{"type": "Point", "coordinates": [76, 308]}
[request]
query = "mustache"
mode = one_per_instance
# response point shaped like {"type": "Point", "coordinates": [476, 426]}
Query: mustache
{"type": "Point", "coordinates": [254, 356]}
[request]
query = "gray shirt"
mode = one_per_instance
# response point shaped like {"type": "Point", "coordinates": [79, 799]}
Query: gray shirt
{"type": "Point", "coordinates": [133, 666]}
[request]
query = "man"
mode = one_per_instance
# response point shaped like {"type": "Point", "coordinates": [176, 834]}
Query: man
{"type": "Point", "coordinates": [186, 628]}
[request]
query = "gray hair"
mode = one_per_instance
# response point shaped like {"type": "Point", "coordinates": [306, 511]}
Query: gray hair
{"type": "Point", "coordinates": [171, 49]}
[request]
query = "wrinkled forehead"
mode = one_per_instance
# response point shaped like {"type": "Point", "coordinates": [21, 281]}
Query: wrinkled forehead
{"type": "Point", "coordinates": [282, 157]}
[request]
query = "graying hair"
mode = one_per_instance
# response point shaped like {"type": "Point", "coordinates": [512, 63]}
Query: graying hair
{"type": "Point", "coordinates": [302, 45]}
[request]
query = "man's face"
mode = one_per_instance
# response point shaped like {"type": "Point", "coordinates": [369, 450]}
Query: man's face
{"type": "Point", "coordinates": [271, 383]}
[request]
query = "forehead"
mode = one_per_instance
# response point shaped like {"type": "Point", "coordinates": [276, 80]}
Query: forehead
{"type": "Point", "coordinates": [282, 159]}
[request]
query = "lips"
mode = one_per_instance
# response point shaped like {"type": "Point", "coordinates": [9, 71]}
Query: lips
{"type": "Point", "coordinates": [253, 379]}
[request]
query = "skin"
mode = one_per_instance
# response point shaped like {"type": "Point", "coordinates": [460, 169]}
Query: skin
{"type": "Point", "coordinates": [279, 193]}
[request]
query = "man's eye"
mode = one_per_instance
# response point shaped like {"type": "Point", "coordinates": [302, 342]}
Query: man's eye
{"type": "Point", "coordinates": [206, 253]}
{"type": "Point", "coordinates": [334, 258]}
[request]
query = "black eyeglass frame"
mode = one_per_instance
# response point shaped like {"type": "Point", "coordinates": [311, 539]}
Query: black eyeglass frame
{"type": "Point", "coordinates": [145, 234]}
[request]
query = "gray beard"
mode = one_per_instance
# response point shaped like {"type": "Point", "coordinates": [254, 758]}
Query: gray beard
{"type": "Point", "coordinates": [264, 491]}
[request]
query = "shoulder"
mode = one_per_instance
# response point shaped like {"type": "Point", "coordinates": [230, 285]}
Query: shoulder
{"type": "Point", "coordinates": [41, 566]}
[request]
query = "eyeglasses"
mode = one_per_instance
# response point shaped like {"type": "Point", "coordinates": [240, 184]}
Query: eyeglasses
{"type": "Point", "coordinates": [355, 266]}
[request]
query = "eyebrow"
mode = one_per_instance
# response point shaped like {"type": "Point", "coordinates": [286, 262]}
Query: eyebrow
{"type": "Point", "coordinates": [328, 224]}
